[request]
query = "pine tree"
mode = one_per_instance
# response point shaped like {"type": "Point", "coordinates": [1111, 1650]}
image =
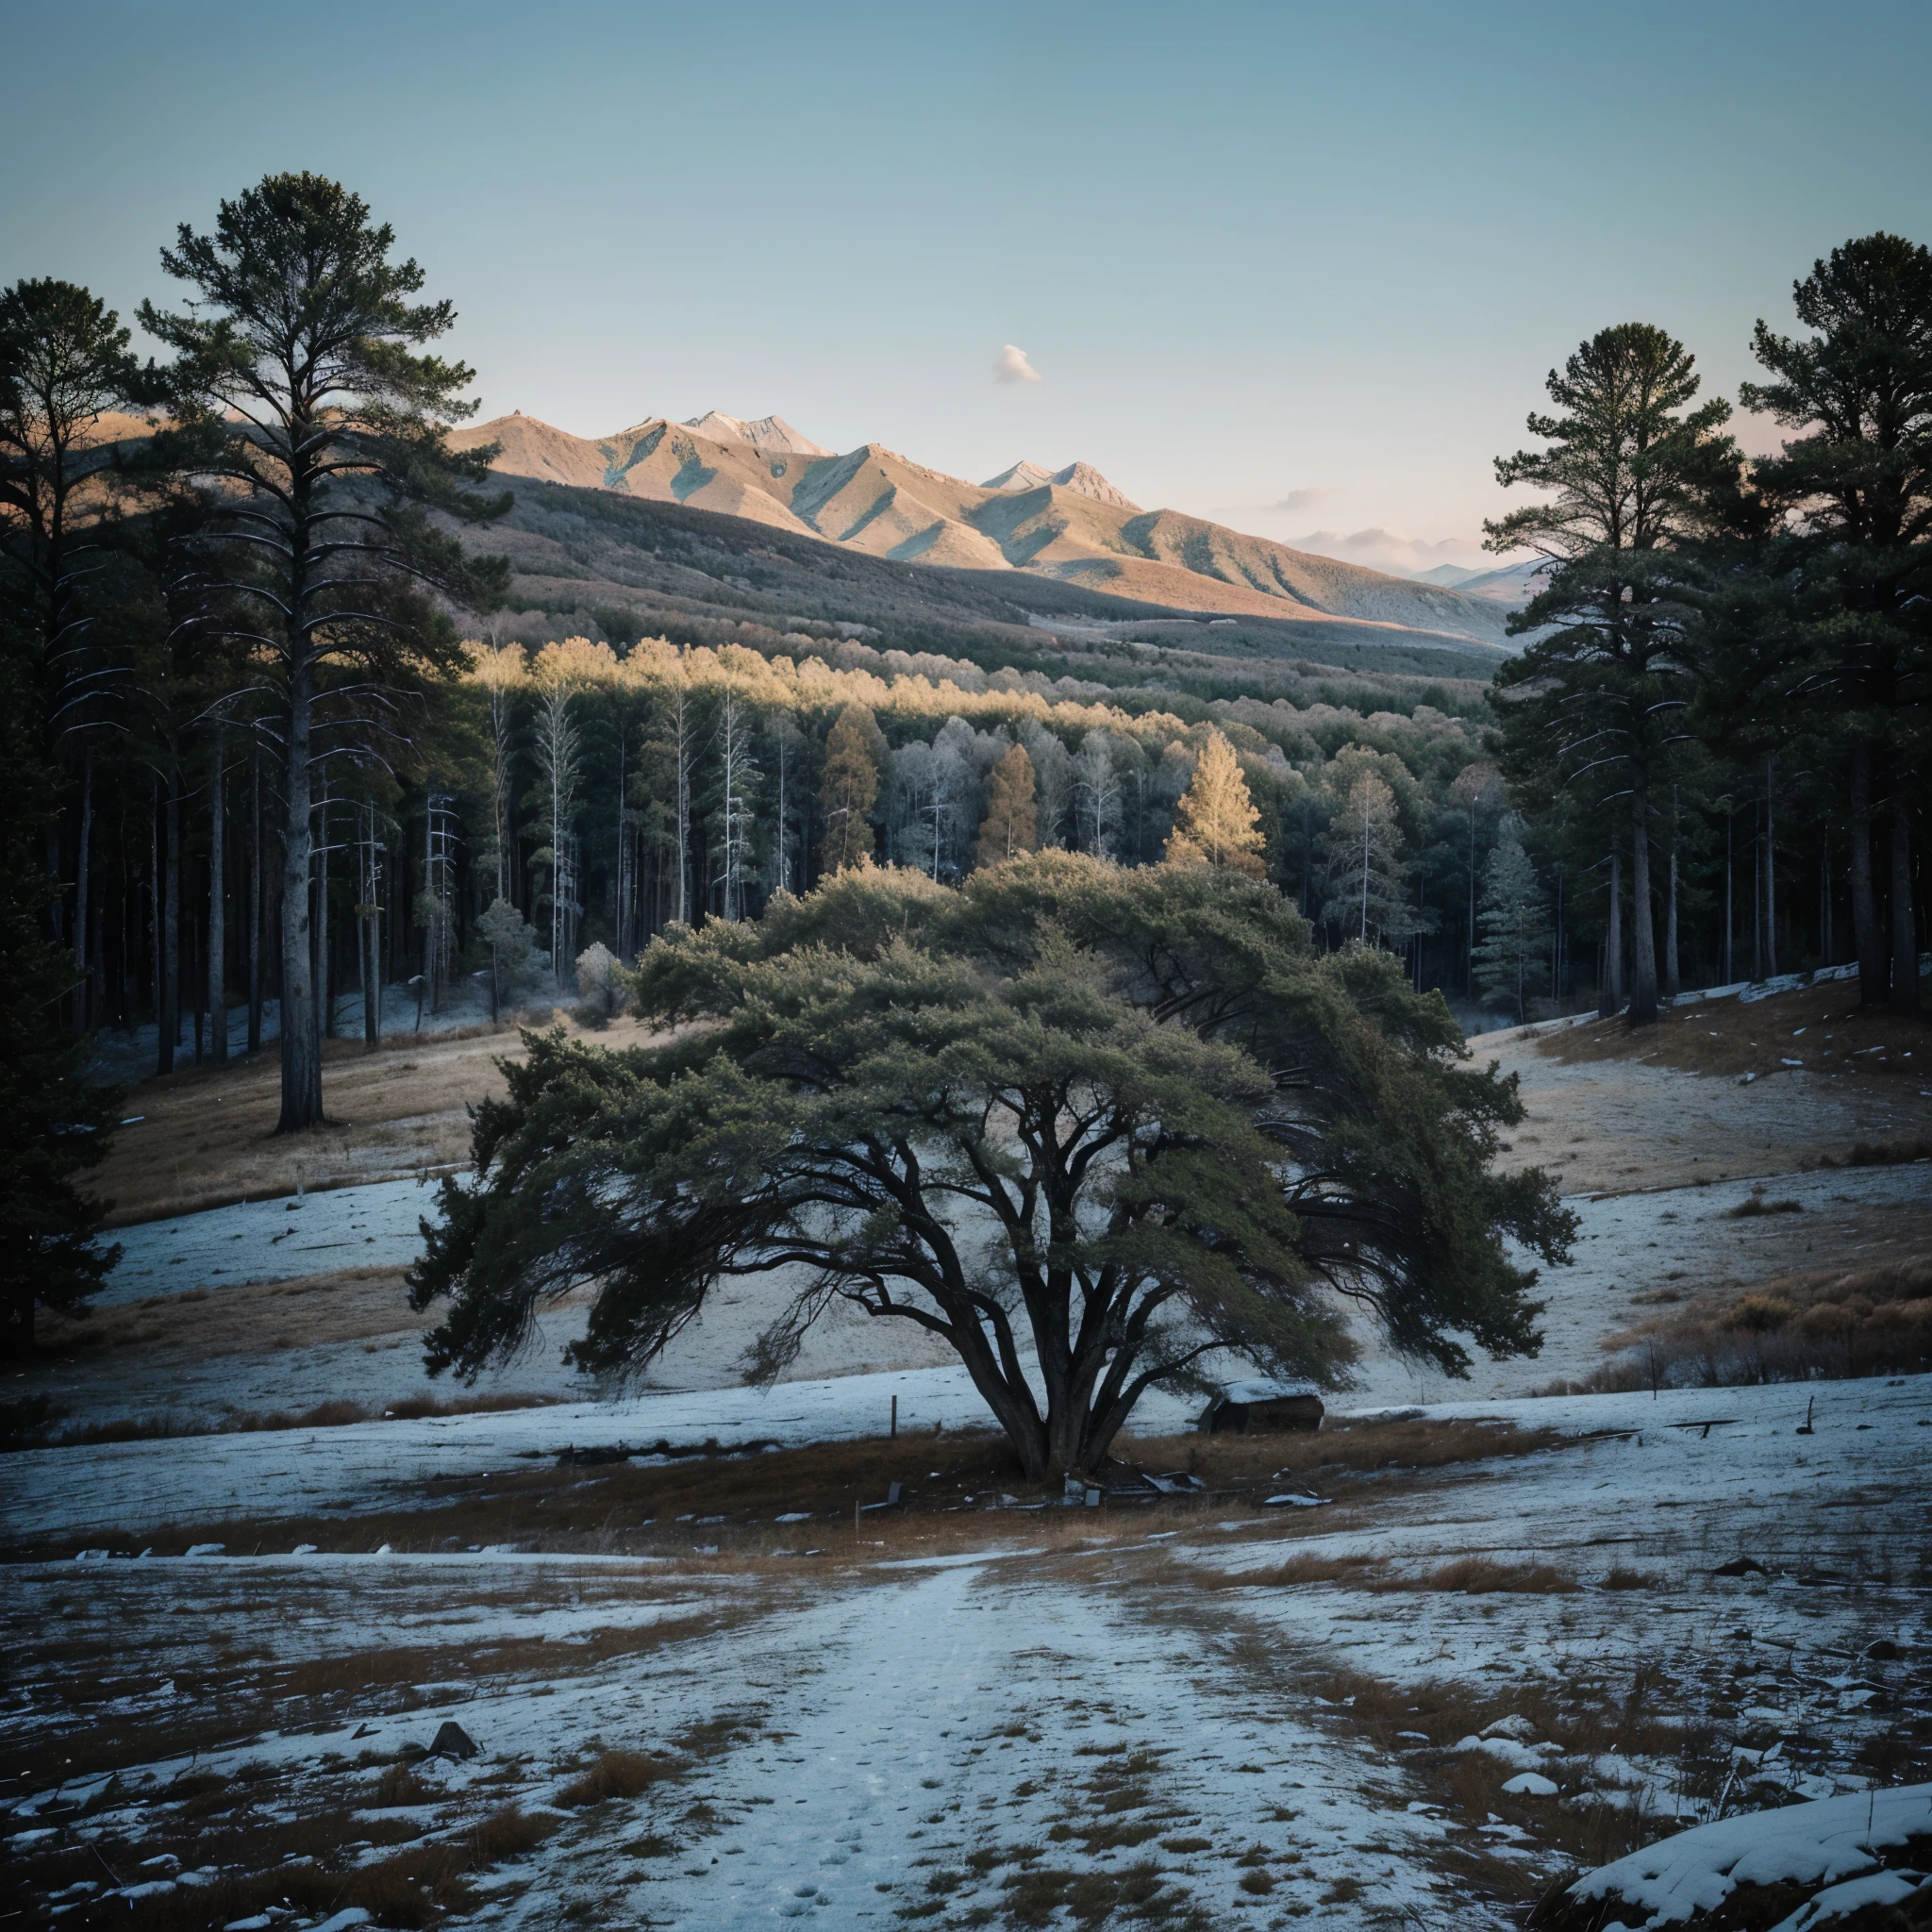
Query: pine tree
{"type": "Point", "coordinates": [1216, 823]}
{"type": "Point", "coordinates": [57, 1123]}
{"type": "Point", "coordinates": [1592, 706]}
{"type": "Point", "coordinates": [63, 364]}
{"type": "Point", "coordinates": [739, 772]}
{"type": "Point", "coordinates": [1855, 486]}
{"type": "Point", "coordinates": [1012, 824]}
{"type": "Point", "coordinates": [1513, 954]}
{"type": "Point", "coordinates": [1370, 901]}
{"type": "Point", "coordinates": [849, 790]}
{"type": "Point", "coordinates": [321, 435]}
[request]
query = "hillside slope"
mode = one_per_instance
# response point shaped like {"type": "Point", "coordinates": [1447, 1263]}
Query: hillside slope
{"type": "Point", "coordinates": [605, 562]}
{"type": "Point", "coordinates": [1071, 524]}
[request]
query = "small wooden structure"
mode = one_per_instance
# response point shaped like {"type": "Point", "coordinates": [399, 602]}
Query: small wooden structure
{"type": "Point", "coordinates": [1262, 1407]}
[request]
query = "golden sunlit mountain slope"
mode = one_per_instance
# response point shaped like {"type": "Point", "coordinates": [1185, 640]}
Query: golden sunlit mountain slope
{"type": "Point", "coordinates": [1071, 524]}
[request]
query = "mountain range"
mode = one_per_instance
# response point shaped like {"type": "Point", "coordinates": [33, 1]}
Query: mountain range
{"type": "Point", "coordinates": [1071, 525]}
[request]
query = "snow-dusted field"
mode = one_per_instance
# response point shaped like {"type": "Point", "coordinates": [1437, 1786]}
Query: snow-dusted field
{"type": "Point", "coordinates": [986, 1712]}
{"type": "Point", "coordinates": [374, 1226]}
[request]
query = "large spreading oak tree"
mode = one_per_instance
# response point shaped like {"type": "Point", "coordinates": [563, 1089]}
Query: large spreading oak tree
{"type": "Point", "coordinates": [1090, 1126]}
{"type": "Point", "coordinates": [320, 432]}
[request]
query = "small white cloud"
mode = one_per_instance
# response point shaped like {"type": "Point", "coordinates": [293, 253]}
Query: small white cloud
{"type": "Point", "coordinates": [1299, 499]}
{"type": "Point", "coordinates": [1013, 366]}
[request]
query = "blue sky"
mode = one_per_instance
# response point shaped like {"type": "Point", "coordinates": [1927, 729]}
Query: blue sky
{"type": "Point", "coordinates": [1258, 255]}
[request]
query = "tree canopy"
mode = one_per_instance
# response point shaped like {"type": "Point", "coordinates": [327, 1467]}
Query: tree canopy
{"type": "Point", "coordinates": [1089, 1125]}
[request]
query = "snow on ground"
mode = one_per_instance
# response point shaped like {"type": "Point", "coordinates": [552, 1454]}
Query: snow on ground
{"type": "Point", "coordinates": [373, 1227]}
{"type": "Point", "coordinates": [939, 1728]}
{"type": "Point", "coordinates": [1636, 1244]}
{"type": "Point", "coordinates": [1828, 1841]}
{"type": "Point", "coordinates": [1116, 1711]}
{"type": "Point", "coordinates": [140, 1486]}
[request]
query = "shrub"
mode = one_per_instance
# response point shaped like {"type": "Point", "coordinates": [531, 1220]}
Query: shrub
{"type": "Point", "coordinates": [1887, 1152]}
{"type": "Point", "coordinates": [1761, 1314]}
{"type": "Point", "coordinates": [602, 993]}
{"type": "Point", "coordinates": [617, 1774]}
{"type": "Point", "coordinates": [1755, 1204]}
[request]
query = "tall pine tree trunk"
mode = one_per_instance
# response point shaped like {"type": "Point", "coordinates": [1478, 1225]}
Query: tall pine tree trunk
{"type": "Point", "coordinates": [1642, 924]}
{"type": "Point", "coordinates": [254, 897]}
{"type": "Point", "coordinates": [1611, 1001]}
{"type": "Point", "coordinates": [683, 806]}
{"type": "Point", "coordinates": [1770, 877]}
{"type": "Point", "coordinates": [1673, 982]}
{"type": "Point", "coordinates": [1730, 913]}
{"type": "Point", "coordinates": [84, 976]}
{"type": "Point", "coordinates": [324, 977]}
{"type": "Point", "coordinates": [1905, 923]}
{"type": "Point", "coordinates": [154, 923]}
{"type": "Point", "coordinates": [1866, 931]}
{"type": "Point", "coordinates": [300, 1047]}
{"type": "Point", "coordinates": [217, 904]}
{"type": "Point", "coordinates": [369, 938]}
{"type": "Point", "coordinates": [171, 919]}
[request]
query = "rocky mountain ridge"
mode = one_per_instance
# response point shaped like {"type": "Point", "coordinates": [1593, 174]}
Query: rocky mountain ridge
{"type": "Point", "coordinates": [1070, 524]}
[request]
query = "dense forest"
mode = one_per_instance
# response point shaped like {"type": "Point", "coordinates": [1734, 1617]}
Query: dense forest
{"type": "Point", "coordinates": [289, 738]}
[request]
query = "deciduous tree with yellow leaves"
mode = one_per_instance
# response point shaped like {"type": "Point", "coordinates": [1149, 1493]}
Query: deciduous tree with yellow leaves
{"type": "Point", "coordinates": [1216, 823]}
{"type": "Point", "coordinates": [1012, 824]}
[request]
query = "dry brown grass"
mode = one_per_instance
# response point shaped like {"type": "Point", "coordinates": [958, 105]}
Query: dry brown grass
{"type": "Point", "coordinates": [1826, 1324]}
{"type": "Point", "coordinates": [249, 1695]}
{"type": "Point", "coordinates": [1754, 1204]}
{"type": "Point", "coordinates": [619, 1775]}
{"type": "Point", "coordinates": [269, 1863]}
{"type": "Point", "coordinates": [1467, 1575]}
{"type": "Point", "coordinates": [209, 1139]}
{"type": "Point", "coordinates": [951, 1487]}
{"type": "Point", "coordinates": [1349, 1447]}
{"type": "Point", "coordinates": [1358, 1572]}
{"type": "Point", "coordinates": [1636, 1712]}
{"type": "Point", "coordinates": [1621, 1578]}
{"type": "Point", "coordinates": [1141, 1893]}
{"type": "Point", "coordinates": [325, 1415]}
{"type": "Point", "coordinates": [399, 1785]}
{"type": "Point", "coordinates": [1479, 1576]}
{"type": "Point", "coordinates": [352, 1305]}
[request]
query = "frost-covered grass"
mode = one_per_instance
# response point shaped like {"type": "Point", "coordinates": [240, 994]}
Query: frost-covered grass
{"type": "Point", "coordinates": [1197, 1711]}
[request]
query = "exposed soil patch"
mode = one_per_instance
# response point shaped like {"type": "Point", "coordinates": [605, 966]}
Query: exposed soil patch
{"type": "Point", "coordinates": [1820, 1026]}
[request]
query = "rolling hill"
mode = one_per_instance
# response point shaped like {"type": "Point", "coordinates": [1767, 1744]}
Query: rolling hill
{"type": "Point", "coordinates": [1070, 526]}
